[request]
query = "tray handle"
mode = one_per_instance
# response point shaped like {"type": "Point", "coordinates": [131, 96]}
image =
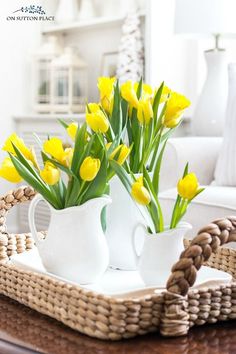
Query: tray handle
{"type": "Point", "coordinates": [11, 243]}
{"type": "Point", "coordinates": [207, 241]}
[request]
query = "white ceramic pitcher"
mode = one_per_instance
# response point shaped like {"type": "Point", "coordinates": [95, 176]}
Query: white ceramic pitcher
{"type": "Point", "coordinates": [160, 252]}
{"type": "Point", "coordinates": [75, 247]}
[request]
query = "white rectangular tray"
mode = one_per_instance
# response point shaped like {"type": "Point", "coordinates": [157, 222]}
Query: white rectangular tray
{"type": "Point", "coordinates": [119, 282]}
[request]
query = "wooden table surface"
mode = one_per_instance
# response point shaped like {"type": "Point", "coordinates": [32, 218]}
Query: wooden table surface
{"type": "Point", "coordinates": [24, 331]}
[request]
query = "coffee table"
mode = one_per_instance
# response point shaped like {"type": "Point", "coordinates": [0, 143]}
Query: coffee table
{"type": "Point", "coordinates": [24, 331]}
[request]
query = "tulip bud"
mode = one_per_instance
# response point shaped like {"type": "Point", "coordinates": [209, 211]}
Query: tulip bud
{"type": "Point", "coordinates": [174, 109]}
{"type": "Point", "coordinates": [145, 112]}
{"type": "Point", "coordinates": [166, 91]}
{"type": "Point", "coordinates": [140, 193]}
{"type": "Point", "coordinates": [54, 147]}
{"type": "Point", "coordinates": [50, 174]}
{"type": "Point", "coordinates": [67, 157]}
{"type": "Point", "coordinates": [89, 168]}
{"type": "Point", "coordinates": [188, 186]}
{"type": "Point", "coordinates": [121, 153]}
{"type": "Point", "coordinates": [96, 119]}
{"type": "Point", "coordinates": [19, 143]}
{"type": "Point", "coordinates": [9, 172]}
{"type": "Point", "coordinates": [129, 94]}
{"type": "Point", "coordinates": [106, 87]}
{"type": "Point", "coordinates": [72, 130]}
{"type": "Point", "coordinates": [147, 91]}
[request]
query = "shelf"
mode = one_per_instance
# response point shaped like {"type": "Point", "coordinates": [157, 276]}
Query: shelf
{"type": "Point", "coordinates": [94, 23]}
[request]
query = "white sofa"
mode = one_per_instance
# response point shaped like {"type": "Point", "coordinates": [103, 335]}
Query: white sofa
{"type": "Point", "coordinates": [201, 153]}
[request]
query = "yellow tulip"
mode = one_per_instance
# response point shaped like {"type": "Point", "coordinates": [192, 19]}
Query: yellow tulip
{"type": "Point", "coordinates": [106, 87]}
{"type": "Point", "coordinates": [72, 130]}
{"type": "Point", "coordinates": [67, 157]}
{"type": "Point", "coordinates": [8, 171]}
{"type": "Point", "coordinates": [121, 152]}
{"type": "Point", "coordinates": [54, 147]}
{"type": "Point", "coordinates": [140, 193]}
{"type": "Point", "coordinates": [50, 174]}
{"type": "Point", "coordinates": [97, 121]}
{"type": "Point", "coordinates": [129, 94]}
{"type": "Point", "coordinates": [147, 90]}
{"type": "Point", "coordinates": [188, 186]}
{"type": "Point", "coordinates": [92, 108]}
{"type": "Point", "coordinates": [176, 104]}
{"type": "Point", "coordinates": [19, 143]}
{"type": "Point", "coordinates": [144, 112]}
{"type": "Point", "coordinates": [166, 91]}
{"type": "Point", "coordinates": [89, 168]}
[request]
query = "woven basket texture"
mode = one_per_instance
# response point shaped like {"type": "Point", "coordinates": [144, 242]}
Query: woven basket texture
{"type": "Point", "coordinates": [172, 312]}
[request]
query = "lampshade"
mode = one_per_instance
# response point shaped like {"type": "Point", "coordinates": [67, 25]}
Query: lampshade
{"type": "Point", "coordinates": [205, 17]}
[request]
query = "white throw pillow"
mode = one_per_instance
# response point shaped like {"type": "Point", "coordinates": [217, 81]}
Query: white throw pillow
{"type": "Point", "coordinates": [225, 172]}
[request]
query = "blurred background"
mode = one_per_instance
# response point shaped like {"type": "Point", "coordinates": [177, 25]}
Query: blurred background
{"type": "Point", "coordinates": [52, 52]}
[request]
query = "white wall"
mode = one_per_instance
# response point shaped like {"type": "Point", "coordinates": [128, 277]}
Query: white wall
{"type": "Point", "coordinates": [17, 40]}
{"type": "Point", "coordinates": [172, 58]}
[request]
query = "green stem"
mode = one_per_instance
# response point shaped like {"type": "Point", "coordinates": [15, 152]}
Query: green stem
{"type": "Point", "coordinates": [154, 156]}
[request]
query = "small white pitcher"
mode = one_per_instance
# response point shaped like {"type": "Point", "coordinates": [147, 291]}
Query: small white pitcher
{"type": "Point", "coordinates": [75, 247]}
{"type": "Point", "coordinates": [160, 252]}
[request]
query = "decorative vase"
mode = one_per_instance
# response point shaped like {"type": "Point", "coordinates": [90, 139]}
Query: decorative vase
{"type": "Point", "coordinates": [123, 217]}
{"type": "Point", "coordinates": [160, 252]}
{"type": "Point", "coordinates": [75, 247]}
{"type": "Point", "coordinates": [209, 114]}
{"type": "Point", "coordinates": [225, 172]}
{"type": "Point", "coordinates": [67, 11]}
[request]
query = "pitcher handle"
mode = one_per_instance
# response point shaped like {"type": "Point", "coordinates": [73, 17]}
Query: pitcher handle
{"type": "Point", "coordinates": [138, 226]}
{"type": "Point", "coordinates": [38, 198]}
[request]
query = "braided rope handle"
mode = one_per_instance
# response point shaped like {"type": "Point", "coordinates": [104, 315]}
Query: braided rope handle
{"type": "Point", "coordinates": [208, 240]}
{"type": "Point", "coordinates": [13, 243]}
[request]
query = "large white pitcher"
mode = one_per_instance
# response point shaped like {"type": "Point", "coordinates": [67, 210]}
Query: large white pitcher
{"type": "Point", "coordinates": [75, 247]}
{"type": "Point", "coordinates": [122, 218]}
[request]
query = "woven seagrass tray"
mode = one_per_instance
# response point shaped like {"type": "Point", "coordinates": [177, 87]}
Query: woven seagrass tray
{"type": "Point", "coordinates": [172, 312]}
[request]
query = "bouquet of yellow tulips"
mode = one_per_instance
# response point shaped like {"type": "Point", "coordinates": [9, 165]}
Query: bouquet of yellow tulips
{"type": "Point", "coordinates": [139, 114]}
{"type": "Point", "coordinates": [69, 176]}
{"type": "Point", "coordinates": [145, 117]}
{"type": "Point", "coordinates": [142, 190]}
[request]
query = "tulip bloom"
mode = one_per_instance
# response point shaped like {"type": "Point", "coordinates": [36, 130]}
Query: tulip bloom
{"type": "Point", "coordinates": [129, 94]}
{"type": "Point", "coordinates": [140, 193]}
{"type": "Point", "coordinates": [188, 186]}
{"type": "Point", "coordinates": [96, 120]}
{"type": "Point", "coordinates": [147, 91]}
{"type": "Point", "coordinates": [106, 88]}
{"type": "Point", "coordinates": [89, 168]}
{"type": "Point", "coordinates": [9, 172]}
{"type": "Point", "coordinates": [72, 130]}
{"type": "Point", "coordinates": [50, 174]}
{"type": "Point", "coordinates": [19, 143]}
{"type": "Point", "coordinates": [67, 157]}
{"type": "Point", "coordinates": [166, 91]}
{"type": "Point", "coordinates": [54, 147]}
{"type": "Point", "coordinates": [121, 152]}
{"type": "Point", "coordinates": [145, 112]}
{"type": "Point", "coordinates": [175, 106]}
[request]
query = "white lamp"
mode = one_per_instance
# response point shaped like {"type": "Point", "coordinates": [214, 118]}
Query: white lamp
{"type": "Point", "coordinates": [216, 18]}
